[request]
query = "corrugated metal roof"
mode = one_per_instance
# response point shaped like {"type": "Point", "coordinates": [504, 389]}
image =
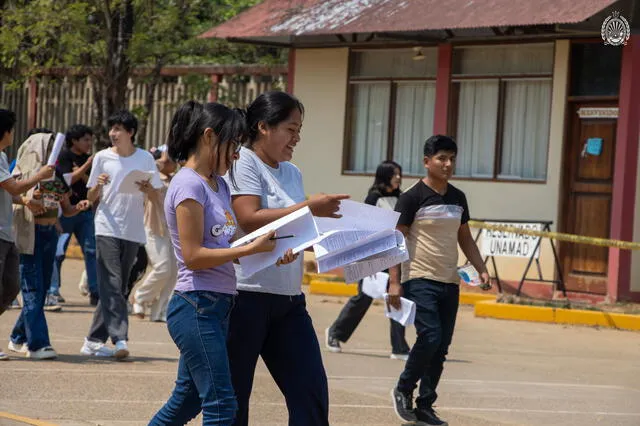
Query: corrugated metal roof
{"type": "Point", "coordinates": [316, 17]}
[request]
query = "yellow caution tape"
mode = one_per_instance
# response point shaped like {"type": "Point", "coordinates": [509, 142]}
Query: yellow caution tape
{"type": "Point", "coordinates": [572, 238]}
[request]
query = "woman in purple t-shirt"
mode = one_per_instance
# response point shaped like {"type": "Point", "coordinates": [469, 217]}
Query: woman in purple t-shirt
{"type": "Point", "coordinates": [201, 223]}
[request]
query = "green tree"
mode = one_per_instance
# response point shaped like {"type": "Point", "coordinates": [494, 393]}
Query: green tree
{"type": "Point", "coordinates": [107, 39]}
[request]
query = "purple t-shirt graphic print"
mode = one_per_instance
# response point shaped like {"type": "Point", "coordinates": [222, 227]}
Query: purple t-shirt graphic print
{"type": "Point", "coordinates": [219, 227]}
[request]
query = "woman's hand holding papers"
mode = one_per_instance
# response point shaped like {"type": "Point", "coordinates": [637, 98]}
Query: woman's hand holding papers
{"type": "Point", "coordinates": [326, 205]}
{"type": "Point", "coordinates": [263, 244]}
{"type": "Point", "coordinates": [287, 258]}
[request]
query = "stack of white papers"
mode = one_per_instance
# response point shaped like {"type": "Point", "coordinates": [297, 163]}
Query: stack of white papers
{"type": "Point", "coordinates": [406, 315]}
{"type": "Point", "coordinates": [364, 240]}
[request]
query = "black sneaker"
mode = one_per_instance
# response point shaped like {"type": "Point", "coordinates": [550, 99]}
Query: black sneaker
{"type": "Point", "coordinates": [428, 416]}
{"type": "Point", "coordinates": [331, 342]}
{"type": "Point", "coordinates": [403, 405]}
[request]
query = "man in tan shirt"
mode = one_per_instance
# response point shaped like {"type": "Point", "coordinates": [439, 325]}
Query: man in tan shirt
{"type": "Point", "coordinates": [433, 218]}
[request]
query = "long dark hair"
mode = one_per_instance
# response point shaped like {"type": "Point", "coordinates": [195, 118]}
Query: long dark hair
{"type": "Point", "coordinates": [272, 108]}
{"type": "Point", "coordinates": [384, 173]}
{"type": "Point", "coordinates": [190, 121]}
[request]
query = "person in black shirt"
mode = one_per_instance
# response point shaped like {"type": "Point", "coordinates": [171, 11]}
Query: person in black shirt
{"type": "Point", "coordinates": [74, 163]}
{"type": "Point", "coordinates": [384, 193]}
{"type": "Point", "coordinates": [433, 219]}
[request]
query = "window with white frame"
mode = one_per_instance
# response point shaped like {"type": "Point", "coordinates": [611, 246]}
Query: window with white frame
{"type": "Point", "coordinates": [500, 110]}
{"type": "Point", "coordinates": [391, 108]}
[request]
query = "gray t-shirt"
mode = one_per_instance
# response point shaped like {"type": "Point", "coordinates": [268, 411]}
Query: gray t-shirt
{"type": "Point", "coordinates": [6, 202]}
{"type": "Point", "coordinates": [277, 188]}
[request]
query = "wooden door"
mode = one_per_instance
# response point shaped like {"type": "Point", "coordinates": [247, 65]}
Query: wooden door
{"type": "Point", "coordinates": [588, 190]}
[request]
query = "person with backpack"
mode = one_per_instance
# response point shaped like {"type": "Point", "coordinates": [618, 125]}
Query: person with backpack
{"type": "Point", "coordinates": [11, 191]}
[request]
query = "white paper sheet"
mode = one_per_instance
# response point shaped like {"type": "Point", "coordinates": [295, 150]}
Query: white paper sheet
{"type": "Point", "coordinates": [366, 247]}
{"type": "Point", "coordinates": [407, 313]}
{"type": "Point", "coordinates": [67, 178]}
{"type": "Point", "coordinates": [55, 152]}
{"type": "Point", "coordinates": [128, 183]}
{"type": "Point", "coordinates": [375, 286]}
{"type": "Point", "coordinates": [359, 217]}
{"type": "Point", "coordinates": [299, 223]}
{"type": "Point", "coordinates": [380, 262]}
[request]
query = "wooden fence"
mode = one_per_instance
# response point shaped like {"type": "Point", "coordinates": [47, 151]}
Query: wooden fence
{"type": "Point", "coordinates": [60, 102]}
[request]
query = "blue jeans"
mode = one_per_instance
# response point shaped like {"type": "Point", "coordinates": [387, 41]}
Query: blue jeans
{"type": "Point", "coordinates": [436, 310]}
{"type": "Point", "coordinates": [82, 226]}
{"type": "Point", "coordinates": [61, 248]}
{"type": "Point", "coordinates": [35, 279]}
{"type": "Point", "coordinates": [198, 322]}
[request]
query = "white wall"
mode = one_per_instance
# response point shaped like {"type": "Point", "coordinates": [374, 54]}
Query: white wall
{"type": "Point", "coordinates": [321, 84]}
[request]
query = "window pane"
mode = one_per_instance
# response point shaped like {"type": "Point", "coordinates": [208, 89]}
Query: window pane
{"type": "Point", "coordinates": [396, 63]}
{"type": "Point", "coordinates": [595, 70]}
{"type": "Point", "coordinates": [369, 126]}
{"type": "Point", "coordinates": [415, 104]}
{"type": "Point", "coordinates": [526, 129]}
{"type": "Point", "coordinates": [503, 60]}
{"type": "Point", "coordinates": [476, 130]}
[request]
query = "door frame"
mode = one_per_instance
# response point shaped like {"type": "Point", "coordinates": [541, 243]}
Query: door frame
{"type": "Point", "coordinates": [572, 106]}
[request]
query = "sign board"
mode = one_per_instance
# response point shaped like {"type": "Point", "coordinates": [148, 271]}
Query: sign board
{"type": "Point", "coordinates": [509, 244]}
{"type": "Point", "coordinates": [598, 112]}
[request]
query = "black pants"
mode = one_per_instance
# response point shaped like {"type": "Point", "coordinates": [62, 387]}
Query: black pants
{"type": "Point", "coordinates": [436, 309]}
{"type": "Point", "coordinates": [9, 274]}
{"type": "Point", "coordinates": [138, 269]}
{"type": "Point", "coordinates": [115, 258]}
{"type": "Point", "coordinates": [279, 329]}
{"type": "Point", "coordinates": [351, 315]}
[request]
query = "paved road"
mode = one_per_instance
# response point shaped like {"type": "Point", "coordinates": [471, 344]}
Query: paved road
{"type": "Point", "coordinates": [498, 373]}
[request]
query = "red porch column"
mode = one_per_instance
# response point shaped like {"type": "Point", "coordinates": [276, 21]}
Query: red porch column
{"type": "Point", "coordinates": [443, 84]}
{"type": "Point", "coordinates": [626, 168]}
{"type": "Point", "coordinates": [291, 71]}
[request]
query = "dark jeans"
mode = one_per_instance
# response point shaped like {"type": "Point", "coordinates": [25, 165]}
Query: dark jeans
{"type": "Point", "coordinates": [82, 226]}
{"type": "Point", "coordinates": [115, 260]}
{"type": "Point", "coordinates": [35, 278]}
{"type": "Point", "coordinates": [279, 329]}
{"type": "Point", "coordinates": [351, 315]}
{"type": "Point", "coordinates": [198, 322]}
{"type": "Point", "coordinates": [436, 309]}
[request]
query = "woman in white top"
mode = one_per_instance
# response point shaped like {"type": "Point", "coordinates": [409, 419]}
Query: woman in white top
{"type": "Point", "coordinates": [270, 318]}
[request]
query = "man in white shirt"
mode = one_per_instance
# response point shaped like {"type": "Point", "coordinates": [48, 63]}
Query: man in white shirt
{"type": "Point", "coordinates": [119, 229]}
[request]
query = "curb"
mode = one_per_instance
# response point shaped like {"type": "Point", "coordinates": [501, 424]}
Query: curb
{"type": "Point", "coordinates": [468, 298]}
{"type": "Point", "coordinates": [338, 288]}
{"type": "Point", "coordinates": [74, 252]}
{"type": "Point", "coordinates": [492, 309]}
{"type": "Point", "coordinates": [332, 288]}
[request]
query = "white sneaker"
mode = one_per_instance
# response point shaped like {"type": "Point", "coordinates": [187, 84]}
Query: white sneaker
{"type": "Point", "coordinates": [122, 350]}
{"type": "Point", "coordinates": [401, 357]}
{"type": "Point", "coordinates": [18, 348]}
{"type": "Point", "coordinates": [138, 310]}
{"type": "Point", "coordinates": [96, 349]}
{"type": "Point", "coordinates": [43, 353]}
{"type": "Point", "coordinates": [3, 356]}
{"type": "Point", "coordinates": [83, 286]}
